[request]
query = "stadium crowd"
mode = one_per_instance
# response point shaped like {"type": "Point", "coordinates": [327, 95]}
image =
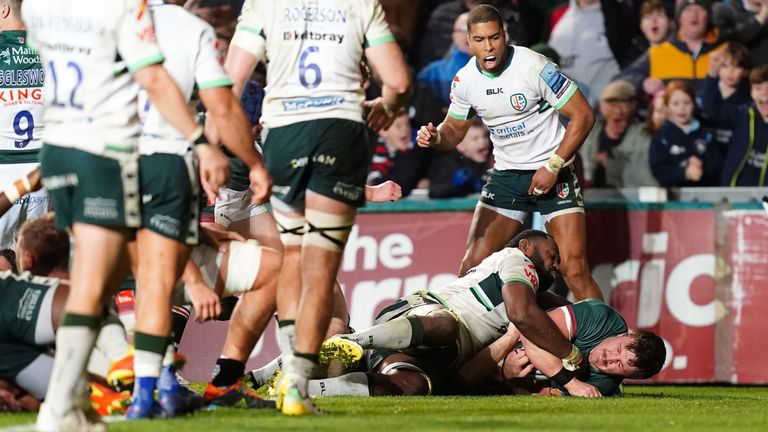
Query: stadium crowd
{"type": "Point", "coordinates": [612, 94]}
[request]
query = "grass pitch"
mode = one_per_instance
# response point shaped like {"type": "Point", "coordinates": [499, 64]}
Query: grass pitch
{"type": "Point", "coordinates": [654, 409]}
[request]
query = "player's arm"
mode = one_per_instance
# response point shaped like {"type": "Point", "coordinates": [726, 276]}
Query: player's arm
{"type": "Point", "coordinates": [239, 65]}
{"type": "Point", "coordinates": [387, 191]}
{"type": "Point", "coordinates": [551, 366]}
{"type": "Point", "coordinates": [204, 300]}
{"type": "Point", "coordinates": [248, 45]}
{"type": "Point", "coordinates": [446, 136]}
{"type": "Point", "coordinates": [233, 129]}
{"type": "Point", "coordinates": [486, 362]}
{"type": "Point", "coordinates": [534, 324]}
{"type": "Point", "coordinates": [388, 63]}
{"type": "Point", "coordinates": [19, 188]}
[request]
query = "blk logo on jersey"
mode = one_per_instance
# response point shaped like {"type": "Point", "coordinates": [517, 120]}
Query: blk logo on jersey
{"type": "Point", "coordinates": [489, 92]}
{"type": "Point", "coordinates": [518, 101]}
{"type": "Point", "coordinates": [562, 190]}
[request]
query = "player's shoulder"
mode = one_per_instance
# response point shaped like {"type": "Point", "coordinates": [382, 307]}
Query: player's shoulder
{"type": "Point", "coordinates": [528, 58]}
{"type": "Point", "coordinates": [176, 15]}
{"type": "Point", "coordinates": [9, 278]}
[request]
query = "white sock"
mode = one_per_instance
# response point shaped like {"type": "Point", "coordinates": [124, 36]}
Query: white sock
{"type": "Point", "coordinates": [299, 371]}
{"type": "Point", "coordinates": [395, 334]}
{"type": "Point", "coordinates": [264, 373]}
{"type": "Point", "coordinates": [351, 384]}
{"type": "Point", "coordinates": [170, 355]}
{"type": "Point", "coordinates": [286, 335]}
{"type": "Point", "coordinates": [147, 364]}
{"type": "Point", "coordinates": [112, 342]}
{"type": "Point", "coordinates": [73, 349]}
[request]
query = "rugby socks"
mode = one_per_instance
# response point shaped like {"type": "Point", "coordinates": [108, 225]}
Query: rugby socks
{"type": "Point", "coordinates": [286, 335]}
{"type": "Point", "coordinates": [112, 339]}
{"type": "Point", "coordinates": [264, 373]}
{"type": "Point", "coordinates": [300, 368]}
{"type": "Point", "coordinates": [74, 342]}
{"type": "Point", "coordinates": [179, 319]}
{"type": "Point", "coordinates": [351, 384]}
{"type": "Point", "coordinates": [150, 351]}
{"type": "Point", "coordinates": [227, 372]}
{"type": "Point", "coordinates": [400, 333]}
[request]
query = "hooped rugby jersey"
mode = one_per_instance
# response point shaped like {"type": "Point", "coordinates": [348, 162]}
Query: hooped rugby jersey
{"type": "Point", "coordinates": [516, 105]}
{"type": "Point", "coordinates": [21, 99]}
{"type": "Point", "coordinates": [89, 50]}
{"type": "Point", "coordinates": [313, 51]}
{"type": "Point", "coordinates": [479, 291]}
{"type": "Point", "coordinates": [191, 58]}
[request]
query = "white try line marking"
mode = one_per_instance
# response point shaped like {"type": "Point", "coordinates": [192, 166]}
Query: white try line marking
{"type": "Point", "coordinates": [30, 427]}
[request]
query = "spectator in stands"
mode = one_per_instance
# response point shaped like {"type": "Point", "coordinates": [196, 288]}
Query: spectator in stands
{"type": "Point", "coordinates": [682, 151]}
{"type": "Point", "coordinates": [684, 56]}
{"type": "Point", "coordinates": [745, 21]}
{"type": "Point", "coordinates": [579, 39]}
{"type": "Point", "coordinates": [657, 113]}
{"type": "Point", "coordinates": [438, 75]}
{"type": "Point", "coordinates": [394, 157]}
{"type": "Point", "coordinates": [745, 162]}
{"type": "Point", "coordinates": [655, 22]}
{"type": "Point", "coordinates": [461, 171]}
{"type": "Point", "coordinates": [615, 153]}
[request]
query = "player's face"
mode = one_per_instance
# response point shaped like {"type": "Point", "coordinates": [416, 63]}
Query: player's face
{"type": "Point", "coordinates": [612, 356]}
{"type": "Point", "coordinates": [489, 45]}
{"type": "Point", "coordinates": [545, 256]}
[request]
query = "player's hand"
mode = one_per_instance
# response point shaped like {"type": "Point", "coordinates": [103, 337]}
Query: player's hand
{"type": "Point", "coordinates": [427, 136]}
{"type": "Point", "coordinates": [387, 191]}
{"type": "Point", "coordinates": [582, 389]}
{"type": "Point", "coordinates": [516, 365]}
{"type": "Point", "coordinates": [542, 182]}
{"type": "Point", "coordinates": [214, 169]}
{"type": "Point", "coordinates": [204, 301]}
{"type": "Point", "coordinates": [378, 117]}
{"type": "Point", "coordinates": [214, 235]}
{"type": "Point", "coordinates": [8, 402]}
{"type": "Point", "coordinates": [261, 184]}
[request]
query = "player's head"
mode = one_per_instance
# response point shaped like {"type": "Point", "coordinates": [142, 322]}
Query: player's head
{"type": "Point", "coordinates": [542, 250]}
{"type": "Point", "coordinates": [8, 260]}
{"type": "Point", "coordinates": [636, 354]}
{"type": "Point", "coordinates": [487, 38]}
{"type": "Point", "coordinates": [41, 247]}
{"type": "Point", "coordinates": [10, 13]}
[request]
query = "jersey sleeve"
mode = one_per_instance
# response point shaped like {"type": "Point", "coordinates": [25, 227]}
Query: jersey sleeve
{"type": "Point", "coordinates": [136, 40]}
{"type": "Point", "coordinates": [208, 70]}
{"type": "Point", "coordinates": [460, 108]}
{"type": "Point", "coordinates": [556, 88]}
{"type": "Point", "coordinates": [377, 32]}
{"type": "Point", "coordinates": [517, 268]}
{"type": "Point", "coordinates": [249, 34]}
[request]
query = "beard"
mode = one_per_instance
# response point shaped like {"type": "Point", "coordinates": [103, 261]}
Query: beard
{"type": "Point", "coordinates": [547, 276]}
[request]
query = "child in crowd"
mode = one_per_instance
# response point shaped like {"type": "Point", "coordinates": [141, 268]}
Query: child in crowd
{"type": "Point", "coordinates": [682, 151]}
{"type": "Point", "coordinates": [657, 113]}
{"type": "Point", "coordinates": [733, 72]}
{"type": "Point", "coordinates": [394, 157]}
{"type": "Point", "coordinates": [655, 22]}
{"type": "Point", "coordinates": [745, 162]}
{"type": "Point", "coordinates": [461, 171]}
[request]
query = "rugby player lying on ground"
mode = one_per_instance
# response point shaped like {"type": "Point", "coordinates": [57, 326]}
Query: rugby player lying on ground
{"type": "Point", "coordinates": [421, 341]}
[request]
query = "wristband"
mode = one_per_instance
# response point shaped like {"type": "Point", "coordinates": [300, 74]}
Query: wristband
{"type": "Point", "coordinates": [554, 164]}
{"type": "Point", "coordinates": [438, 138]}
{"type": "Point", "coordinates": [571, 362]}
{"type": "Point", "coordinates": [197, 135]}
{"type": "Point", "coordinates": [563, 377]}
{"type": "Point", "coordinates": [18, 189]}
{"type": "Point", "coordinates": [201, 146]}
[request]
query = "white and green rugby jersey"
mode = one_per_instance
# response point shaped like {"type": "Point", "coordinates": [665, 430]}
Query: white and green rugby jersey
{"type": "Point", "coordinates": [192, 59]}
{"type": "Point", "coordinates": [88, 49]}
{"type": "Point", "coordinates": [516, 105]}
{"type": "Point", "coordinates": [21, 99]}
{"type": "Point", "coordinates": [313, 49]}
{"type": "Point", "coordinates": [476, 297]}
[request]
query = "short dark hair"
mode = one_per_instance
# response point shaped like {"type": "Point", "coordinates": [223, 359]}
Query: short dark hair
{"type": "Point", "coordinates": [10, 256]}
{"type": "Point", "coordinates": [482, 14]}
{"type": "Point", "coordinates": [759, 74]}
{"type": "Point", "coordinates": [651, 6]}
{"type": "Point", "coordinates": [530, 235]}
{"type": "Point", "coordinates": [650, 353]}
{"type": "Point", "coordinates": [739, 54]}
{"type": "Point", "coordinates": [49, 245]}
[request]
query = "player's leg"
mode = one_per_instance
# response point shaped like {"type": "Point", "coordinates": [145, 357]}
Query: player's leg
{"type": "Point", "coordinates": [570, 233]}
{"type": "Point", "coordinates": [291, 226]}
{"type": "Point", "coordinates": [563, 210]}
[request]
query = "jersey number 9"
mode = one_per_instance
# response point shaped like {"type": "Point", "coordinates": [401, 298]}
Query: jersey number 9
{"type": "Point", "coordinates": [25, 132]}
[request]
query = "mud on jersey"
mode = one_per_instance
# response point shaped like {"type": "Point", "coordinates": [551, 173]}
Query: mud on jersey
{"type": "Point", "coordinates": [88, 50]}
{"type": "Point", "coordinates": [21, 99]}
{"type": "Point", "coordinates": [516, 104]}
{"type": "Point", "coordinates": [313, 51]}
{"type": "Point", "coordinates": [191, 58]}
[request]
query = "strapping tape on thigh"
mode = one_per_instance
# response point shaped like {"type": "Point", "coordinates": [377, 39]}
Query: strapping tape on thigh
{"type": "Point", "coordinates": [291, 229]}
{"type": "Point", "coordinates": [327, 230]}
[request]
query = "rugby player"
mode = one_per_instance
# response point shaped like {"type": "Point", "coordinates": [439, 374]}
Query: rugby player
{"type": "Point", "coordinates": [314, 148]}
{"type": "Point", "coordinates": [94, 57]}
{"type": "Point", "coordinates": [21, 84]}
{"type": "Point", "coordinates": [476, 309]}
{"type": "Point", "coordinates": [170, 198]}
{"type": "Point", "coordinates": [520, 94]}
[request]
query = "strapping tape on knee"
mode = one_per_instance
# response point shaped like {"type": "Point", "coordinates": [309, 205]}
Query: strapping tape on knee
{"type": "Point", "coordinates": [327, 230]}
{"type": "Point", "coordinates": [242, 267]}
{"type": "Point", "coordinates": [291, 229]}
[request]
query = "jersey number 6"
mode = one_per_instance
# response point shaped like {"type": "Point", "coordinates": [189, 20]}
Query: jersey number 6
{"type": "Point", "coordinates": [305, 67]}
